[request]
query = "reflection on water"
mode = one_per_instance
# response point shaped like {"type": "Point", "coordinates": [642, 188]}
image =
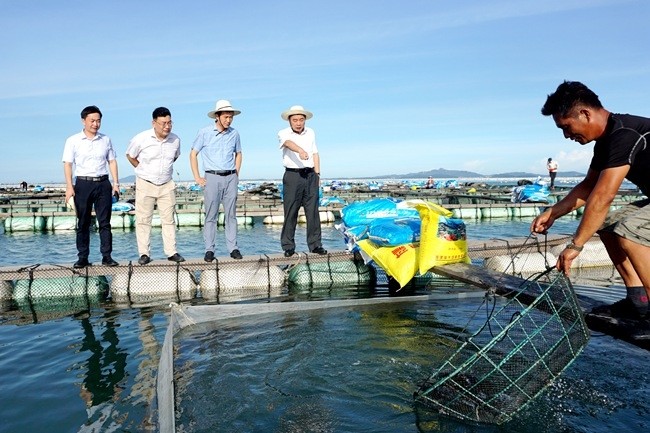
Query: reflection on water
{"type": "Point", "coordinates": [105, 373]}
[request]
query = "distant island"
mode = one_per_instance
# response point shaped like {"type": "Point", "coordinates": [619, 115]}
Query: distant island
{"type": "Point", "coordinates": [442, 173]}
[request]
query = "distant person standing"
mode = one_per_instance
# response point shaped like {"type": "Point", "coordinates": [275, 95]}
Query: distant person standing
{"type": "Point", "coordinates": [551, 166]}
{"type": "Point", "coordinates": [153, 153]}
{"type": "Point", "coordinates": [92, 156]}
{"type": "Point", "coordinates": [220, 148]}
{"type": "Point", "coordinates": [301, 180]}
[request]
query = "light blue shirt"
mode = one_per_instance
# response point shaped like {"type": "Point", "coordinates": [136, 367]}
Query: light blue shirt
{"type": "Point", "coordinates": [217, 149]}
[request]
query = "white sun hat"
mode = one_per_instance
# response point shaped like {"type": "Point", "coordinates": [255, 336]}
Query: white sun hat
{"type": "Point", "coordinates": [296, 109]}
{"type": "Point", "coordinates": [222, 105]}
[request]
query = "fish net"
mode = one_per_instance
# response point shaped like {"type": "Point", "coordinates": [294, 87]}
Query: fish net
{"type": "Point", "coordinates": [524, 344]}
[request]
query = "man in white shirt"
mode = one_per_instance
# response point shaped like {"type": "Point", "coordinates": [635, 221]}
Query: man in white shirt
{"type": "Point", "coordinates": [153, 153]}
{"type": "Point", "coordinates": [92, 155]}
{"type": "Point", "coordinates": [301, 180]}
{"type": "Point", "coordinates": [552, 171]}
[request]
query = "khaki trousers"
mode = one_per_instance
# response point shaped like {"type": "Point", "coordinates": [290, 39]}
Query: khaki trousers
{"type": "Point", "coordinates": [147, 195]}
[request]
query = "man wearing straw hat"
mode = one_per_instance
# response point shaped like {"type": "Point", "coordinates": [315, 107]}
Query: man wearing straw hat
{"type": "Point", "coordinates": [301, 180]}
{"type": "Point", "coordinates": [220, 148]}
{"type": "Point", "coordinates": [621, 151]}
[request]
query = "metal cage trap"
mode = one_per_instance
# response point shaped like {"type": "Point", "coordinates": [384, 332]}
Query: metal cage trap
{"type": "Point", "coordinates": [520, 349]}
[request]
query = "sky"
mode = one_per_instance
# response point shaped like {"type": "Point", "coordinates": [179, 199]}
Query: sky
{"type": "Point", "coordinates": [395, 87]}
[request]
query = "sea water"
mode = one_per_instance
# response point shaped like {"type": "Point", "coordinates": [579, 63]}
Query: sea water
{"type": "Point", "coordinates": [95, 370]}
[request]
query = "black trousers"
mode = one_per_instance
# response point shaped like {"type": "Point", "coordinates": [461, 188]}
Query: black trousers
{"type": "Point", "coordinates": [552, 174]}
{"type": "Point", "coordinates": [88, 194]}
{"type": "Point", "coordinates": [300, 190]}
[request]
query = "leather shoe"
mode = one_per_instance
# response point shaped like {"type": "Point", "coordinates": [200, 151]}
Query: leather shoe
{"type": "Point", "coordinates": [209, 256]}
{"type": "Point", "coordinates": [235, 254]}
{"type": "Point", "coordinates": [289, 253]}
{"type": "Point", "coordinates": [108, 261]}
{"type": "Point", "coordinates": [176, 258]}
{"type": "Point", "coordinates": [81, 263]}
{"type": "Point", "coordinates": [144, 259]}
{"type": "Point", "coordinates": [319, 250]}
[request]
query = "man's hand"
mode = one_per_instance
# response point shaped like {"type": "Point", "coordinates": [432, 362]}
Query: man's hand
{"type": "Point", "coordinates": [542, 222]}
{"type": "Point", "coordinates": [200, 181]}
{"type": "Point", "coordinates": [69, 192]}
{"type": "Point", "coordinates": [565, 259]}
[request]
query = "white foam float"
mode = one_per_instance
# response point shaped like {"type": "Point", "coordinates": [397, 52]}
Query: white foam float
{"type": "Point", "coordinates": [273, 219]}
{"type": "Point", "coordinates": [495, 212]}
{"type": "Point", "coordinates": [189, 219]}
{"type": "Point", "coordinates": [467, 213]}
{"type": "Point", "coordinates": [235, 276]}
{"type": "Point", "coordinates": [120, 220]}
{"type": "Point", "coordinates": [147, 281]}
{"type": "Point", "coordinates": [524, 211]}
{"type": "Point", "coordinates": [344, 273]}
{"type": "Point", "coordinates": [241, 220]}
{"type": "Point", "coordinates": [593, 255]}
{"type": "Point", "coordinates": [324, 216]}
{"type": "Point", "coordinates": [62, 287]}
{"type": "Point", "coordinates": [61, 223]}
{"type": "Point", "coordinates": [523, 263]}
{"type": "Point", "coordinates": [25, 224]}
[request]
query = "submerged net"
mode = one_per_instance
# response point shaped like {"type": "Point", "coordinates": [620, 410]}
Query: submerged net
{"type": "Point", "coordinates": [523, 346]}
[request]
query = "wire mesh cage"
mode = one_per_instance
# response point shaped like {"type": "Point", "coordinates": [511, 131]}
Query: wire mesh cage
{"type": "Point", "coordinates": [520, 349]}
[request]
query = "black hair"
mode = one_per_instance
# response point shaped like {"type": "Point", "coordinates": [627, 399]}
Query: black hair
{"type": "Point", "coordinates": [568, 95]}
{"type": "Point", "coordinates": [160, 112]}
{"type": "Point", "coordinates": [90, 110]}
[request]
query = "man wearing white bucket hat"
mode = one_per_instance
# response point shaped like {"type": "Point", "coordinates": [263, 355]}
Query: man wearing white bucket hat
{"type": "Point", "coordinates": [301, 180]}
{"type": "Point", "coordinates": [220, 148]}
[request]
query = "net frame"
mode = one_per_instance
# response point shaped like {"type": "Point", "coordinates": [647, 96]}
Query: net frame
{"type": "Point", "coordinates": [492, 376]}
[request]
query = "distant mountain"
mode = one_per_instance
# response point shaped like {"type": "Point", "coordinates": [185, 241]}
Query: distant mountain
{"type": "Point", "coordinates": [442, 173]}
{"type": "Point", "coordinates": [128, 179]}
{"type": "Point", "coordinates": [523, 175]}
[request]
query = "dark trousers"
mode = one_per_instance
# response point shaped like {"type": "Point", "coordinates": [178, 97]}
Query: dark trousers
{"type": "Point", "coordinates": [552, 174]}
{"type": "Point", "coordinates": [300, 190]}
{"type": "Point", "coordinates": [86, 195]}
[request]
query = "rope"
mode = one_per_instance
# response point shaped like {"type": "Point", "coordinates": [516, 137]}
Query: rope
{"type": "Point", "coordinates": [128, 281]}
{"type": "Point", "coordinates": [491, 292]}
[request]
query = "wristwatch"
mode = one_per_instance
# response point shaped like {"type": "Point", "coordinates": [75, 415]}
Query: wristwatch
{"type": "Point", "coordinates": [572, 246]}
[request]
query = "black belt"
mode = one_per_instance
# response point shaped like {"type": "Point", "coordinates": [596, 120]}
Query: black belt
{"type": "Point", "coordinates": [301, 170]}
{"type": "Point", "coordinates": [221, 172]}
{"type": "Point", "coordinates": [93, 179]}
{"type": "Point", "coordinates": [157, 184]}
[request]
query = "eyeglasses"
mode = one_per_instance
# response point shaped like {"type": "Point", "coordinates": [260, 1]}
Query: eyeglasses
{"type": "Point", "coordinates": [165, 124]}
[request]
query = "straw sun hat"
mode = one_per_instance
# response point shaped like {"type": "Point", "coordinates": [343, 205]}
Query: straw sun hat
{"type": "Point", "coordinates": [296, 109]}
{"type": "Point", "coordinates": [222, 105]}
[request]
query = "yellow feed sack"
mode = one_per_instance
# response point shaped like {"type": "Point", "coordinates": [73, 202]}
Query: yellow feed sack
{"type": "Point", "coordinates": [400, 262]}
{"type": "Point", "coordinates": [443, 239]}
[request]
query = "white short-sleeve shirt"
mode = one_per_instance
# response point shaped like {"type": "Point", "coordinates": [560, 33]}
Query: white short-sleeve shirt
{"type": "Point", "coordinates": [156, 156]}
{"type": "Point", "coordinates": [306, 140]}
{"type": "Point", "coordinates": [89, 156]}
